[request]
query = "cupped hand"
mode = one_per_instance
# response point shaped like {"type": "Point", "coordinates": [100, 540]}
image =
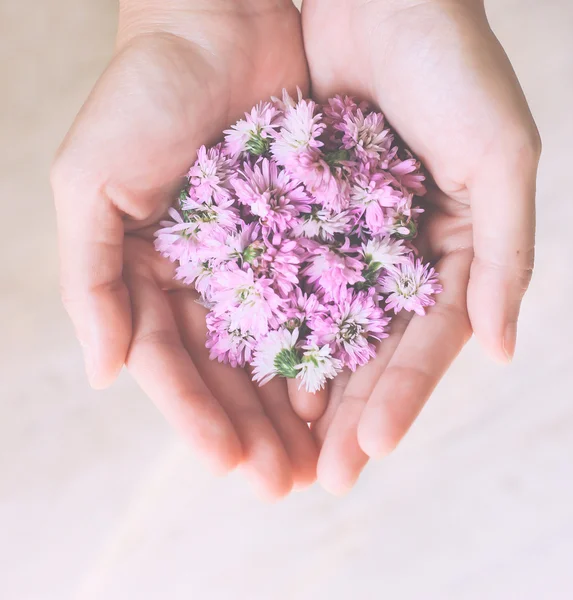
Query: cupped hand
{"type": "Point", "coordinates": [438, 73]}
{"type": "Point", "coordinates": [179, 76]}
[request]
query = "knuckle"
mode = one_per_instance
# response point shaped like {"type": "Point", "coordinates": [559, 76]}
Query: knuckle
{"type": "Point", "coordinates": [521, 272]}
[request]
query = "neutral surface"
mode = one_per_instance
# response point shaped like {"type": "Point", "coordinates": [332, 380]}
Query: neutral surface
{"type": "Point", "coordinates": [99, 500]}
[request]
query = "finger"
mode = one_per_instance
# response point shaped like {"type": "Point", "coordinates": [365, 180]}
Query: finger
{"type": "Point", "coordinates": [308, 406]}
{"type": "Point", "coordinates": [162, 367]}
{"type": "Point", "coordinates": [266, 462]}
{"type": "Point", "coordinates": [503, 214]}
{"type": "Point", "coordinates": [293, 431]}
{"type": "Point", "coordinates": [341, 459]}
{"type": "Point", "coordinates": [336, 388]}
{"type": "Point", "coordinates": [94, 294]}
{"type": "Point", "coordinates": [426, 350]}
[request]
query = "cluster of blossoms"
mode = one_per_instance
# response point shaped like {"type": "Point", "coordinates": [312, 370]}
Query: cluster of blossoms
{"type": "Point", "coordinates": [296, 232]}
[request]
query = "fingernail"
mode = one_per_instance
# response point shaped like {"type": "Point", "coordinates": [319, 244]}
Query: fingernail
{"type": "Point", "coordinates": [509, 340]}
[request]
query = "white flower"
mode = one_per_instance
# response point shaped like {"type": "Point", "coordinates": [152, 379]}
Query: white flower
{"type": "Point", "coordinates": [316, 367]}
{"type": "Point", "coordinates": [384, 251]}
{"type": "Point", "coordinates": [276, 355]}
{"type": "Point", "coordinates": [253, 134]}
{"type": "Point", "coordinates": [321, 224]}
{"type": "Point", "coordinates": [300, 130]}
{"type": "Point", "coordinates": [367, 134]}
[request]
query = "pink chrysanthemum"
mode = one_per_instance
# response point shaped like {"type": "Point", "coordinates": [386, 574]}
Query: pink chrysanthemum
{"type": "Point", "coordinates": [271, 195]}
{"type": "Point", "coordinates": [253, 304]}
{"type": "Point", "coordinates": [349, 326]}
{"type": "Point", "coordinates": [332, 270]}
{"type": "Point", "coordinates": [410, 286]}
{"type": "Point", "coordinates": [228, 343]}
{"type": "Point", "coordinates": [254, 133]}
{"type": "Point", "coordinates": [300, 308]}
{"type": "Point", "coordinates": [370, 195]}
{"type": "Point", "coordinates": [177, 239]}
{"type": "Point", "coordinates": [366, 135]}
{"type": "Point", "coordinates": [211, 174]}
{"type": "Point", "coordinates": [300, 131]}
{"type": "Point", "coordinates": [297, 232]}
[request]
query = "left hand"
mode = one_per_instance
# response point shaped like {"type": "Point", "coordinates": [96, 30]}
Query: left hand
{"type": "Point", "coordinates": [445, 84]}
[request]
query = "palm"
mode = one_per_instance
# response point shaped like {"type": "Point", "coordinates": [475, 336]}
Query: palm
{"type": "Point", "coordinates": [448, 90]}
{"type": "Point", "coordinates": [160, 99]}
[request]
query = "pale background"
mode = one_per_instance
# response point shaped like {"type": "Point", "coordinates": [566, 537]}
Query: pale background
{"type": "Point", "coordinates": [99, 500]}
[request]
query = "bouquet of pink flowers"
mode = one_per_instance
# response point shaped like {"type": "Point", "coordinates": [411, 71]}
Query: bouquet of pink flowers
{"type": "Point", "coordinates": [296, 232]}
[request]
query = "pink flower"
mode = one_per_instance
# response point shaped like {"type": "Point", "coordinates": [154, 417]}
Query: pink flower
{"type": "Point", "coordinates": [370, 195]}
{"type": "Point", "coordinates": [211, 220]}
{"type": "Point", "coordinates": [253, 305]}
{"type": "Point", "coordinates": [177, 240]}
{"type": "Point", "coordinates": [227, 343]}
{"type": "Point", "coordinates": [322, 224]}
{"type": "Point", "coordinates": [365, 134]}
{"type": "Point", "coordinates": [299, 132]}
{"type": "Point", "coordinates": [254, 133]}
{"type": "Point", "coordinates": [281, 263]}
{"type": "Point", "coordinates": [326, 182]}
{"type": "Point", "coordinates": [408, 175]}
{"type": "Point", "coordinates": [294, 232]}
{"type": "Point", "coordinates": [410, 286]}
{"type": "Point", "coordinates": [348, 326]}
{"type": "Point", "coordinates": [271, 194]}
{"type": "Point", "coordinates": [340, 107]}
{"type": "Point", "coordinates": [400, 220]}
{"type": "Point", "coordinates": [332, 270]}
{"type": "Point", "coordinates": [302, 307]}
{"type": "Point", "coordinates": [210, 176]}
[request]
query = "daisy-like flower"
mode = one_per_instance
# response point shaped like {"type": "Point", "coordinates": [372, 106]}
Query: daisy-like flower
{"type": "Point", "coordinates": [177, 239]}
{"type": "Point", "coordinates": [271, 194]}
{"type": "Point", "coordinates": [294, 233]}
{"type": "Point", "coordinates": [299, 132]}
{"type": "Point", "coordinates": [410, 286]}
{"type": "Point", "coordinates": [254, 133]}
{"type": "Point", "coordinates": [408, 174]}
{"type": "Point", "coordinates": [210, 176]}
{"type": "Point", "coordinates": [383, 252]}
{"type": "Point", "coordinates": [275, 355]}
{"type": "Point", "coordinates": [280, 262]}
{"type": "Point", "coordinates": [401, 220]}
{"type": "Point", "coordinates": [316, 366]}
{"type": "Point", "coordinates": [211, 220]}
{"type": "Point", "coordinates": [332, 270]}
{"type": "Point", "coordinates": [349, 325]}
{"type": "Point", "coordinates": [300, 308]}
{"type": "Point", "coordinates": [370, 195]}
{"type": "Point", "coordinates": [227, 343]}
{"type": "Point", "coordinates": [322, 224]}
{"type": "Point", "coordinates": [366, 134]}
{"type": "Point", "coordinates": [324, 175]}
{"type": "Point", "coordinates": [199, 273]}
{"type": "Point", "coordinates": [339, 107]}
{"type": "Point", "coordinates": [253, 304]}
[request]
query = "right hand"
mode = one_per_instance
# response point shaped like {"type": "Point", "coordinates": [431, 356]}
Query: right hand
{"type": "Point", "coordinates": [183, 71]}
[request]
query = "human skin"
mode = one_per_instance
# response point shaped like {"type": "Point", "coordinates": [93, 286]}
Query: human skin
{"type": "Point", "coordinates": [440, 76]}
{"type": "Point", "coordinates": [184, 70]}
